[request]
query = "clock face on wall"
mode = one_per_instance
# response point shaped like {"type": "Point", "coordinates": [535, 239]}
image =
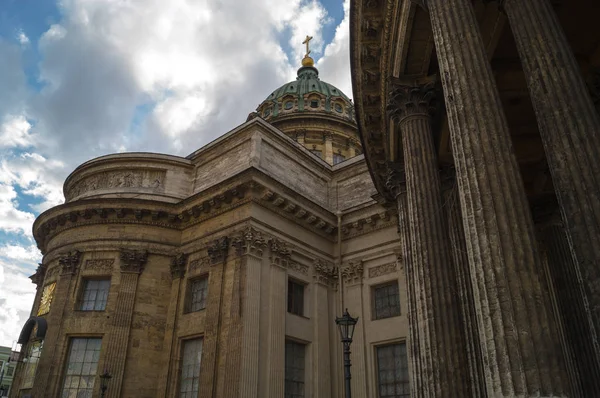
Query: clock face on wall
{"type": "Point", "coordinates": [47, 296]}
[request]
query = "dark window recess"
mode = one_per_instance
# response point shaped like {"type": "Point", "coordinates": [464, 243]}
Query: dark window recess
{"type": "Point", "coordinates": [314, 103]}
{"type": "Point", "coordinates": [295, 298]}
{"type": "Point", "coordinates": [392, 371]}
{"type": "Point", "coordinates": [317, 152]}
{"type": "Point", "coordinates": [198, 290]}
{"type": "Point", "coordinates": [387, 301]}
{"type": "Point", "coordinates": [95, 294]}
{"type": "Point", "coordinates": [289, 105]}
{"type": "Point", "coordinates": [337, 158]}
{"type": "Point", "coordinates": [294, 369]}
{"type": "Point", "coordinates": [267, 112]}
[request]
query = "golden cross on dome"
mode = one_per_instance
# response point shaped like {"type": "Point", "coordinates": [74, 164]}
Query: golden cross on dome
{"type": "Point", "coordinates": [307, 41]}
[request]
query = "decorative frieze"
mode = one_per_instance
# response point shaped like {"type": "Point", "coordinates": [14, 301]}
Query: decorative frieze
{"type": "Point", "coordinates": [198, 264]}
{"type": "Point", "coordinates": [367, 224]}
{"type": "Point", "coordinates": [69, 262]}
{"type": "Point", "coordinates": [324, 272]}
{"type": "Point", "coordinates": [100, 264]}
{"type": "Point", "coordinates": [217, 251]}
{"type": "Point", "coordinates": [353, 271]}
{"type": "Point", "coordinates": [249, 241]}
{"type": "Point", "coordinates": [382, 270]}
{"type": "Point", "coordinates": [295, 266]}
{"type": "Point", "coordinates": [152, 179]}
{"type": "Point", "coordinates": [178, 265]}
{"type": "Point", "coordinates": [133, 261]}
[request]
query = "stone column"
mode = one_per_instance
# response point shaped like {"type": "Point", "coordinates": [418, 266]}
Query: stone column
{"type": "Point", "coordinates": [320, 343]}
{"type": "Point", "coordinates": [217, 252]}
{"type": "Point", "coordinates": [351, 148]}
{"type": "Point", "coordinates": [565, 277]}
{"type": "Point", "coordinates": [463, 278]}
{"type": "Point", "coordinates": [396, 183]}
{"type": "Point", "coordinates": [570, 130]}
{"type": "Point", "coordinates": [49, 369]}
{"type": "Point", "coordinates": [300, 136]}
{"type": "Point", "coordinates": [328, 147]}
{"type": "Point", "coordinates": [279, 261]}
{"type": "Point", "coordinates": [436, 306]}
{"type": "Point", "coordinates": [520, 356]}
{"type": "Point", "coordinates": [132, 265]}
{"type": "Point", "coordinates": [352, 273]}
{"type": "Point", "coordinates": [178, 268]}
{"type": "Point", "coordinates": [250, 244]}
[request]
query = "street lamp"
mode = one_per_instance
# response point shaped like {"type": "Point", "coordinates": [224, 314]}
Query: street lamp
{"type": "Point", "coordinates": [346, 325]}
{"type": "Point", "coordinates": [104, 379]}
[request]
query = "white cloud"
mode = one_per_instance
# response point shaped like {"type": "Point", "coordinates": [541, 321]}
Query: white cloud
{"type": "Point", "coordinates": [15, 132]}
{"type": "Point", "coordinates": [21, 253]}
{"type": "Point", "coordinates": [16, 298]}
{"type": "Point", "coordinates": [11, 218]}
{"type": "Point", "coordinates": [22, 38]}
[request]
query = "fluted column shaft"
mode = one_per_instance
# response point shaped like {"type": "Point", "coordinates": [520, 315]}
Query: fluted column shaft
{"type": "Point", "coordinates": [520, 355]}
{"type": "Point", "coordinates": [572, 304]}
{"type": "Point", "coordinates": [465, 287]}
{"type": "Point", "coordinates": [276, 380]}
{"type": "Point", "coordinates": [570, 130]}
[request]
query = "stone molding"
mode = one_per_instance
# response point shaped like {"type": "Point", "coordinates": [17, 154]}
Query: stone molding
{"type": "Point", "coordinates": [69, 262]}
{"type": "Point", "coordinates": [199, 264]}
{"type": "Point", "coordinates": [100, 264]}
{"type": "Point", "coordinates": [133, 261]}
{"type": "Point", "coordinates": [249, 241]}
{"type": "Point", "coordinates": [178, 265]}
{"type": "Point", "coordinates": [406, 99]}
{"type": "Point", "coordinates": [296, 266]}
{"type": "Point", "coordinates": [353, 271]}
{"type": "Point", "coordinates": [367, 224]}
{"type": "Point", "coordinates": [217, 250]}
{"type": "Point", "coordinates": [38, 277]}
{"type": "Point", "coordinates": [381, 270]}
{"type": "Point", "coordinates": [324, 272]}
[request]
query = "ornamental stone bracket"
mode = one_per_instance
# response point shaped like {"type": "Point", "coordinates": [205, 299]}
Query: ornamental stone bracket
{"type": "Point", "coordinates": [353, 272]}
{"type": "Point", "coordinates": [38, 277]}
{"type": "Point", "coordinates": [217, 251]}
{"type": "Point", "coordinates": [133, 261]}
{"type": "Point", "coordinates": [69, 262]}
{"type": "Point", "coordinates": [324, 272]}
{"type": "Point", "coordinates": [178, 265]}
{"type": "Point", "coordinates": [280, 253]}
{"type": "Point", "coordinates": [249, 241]}
{"type": "Point", "coordinates": [367, 224]}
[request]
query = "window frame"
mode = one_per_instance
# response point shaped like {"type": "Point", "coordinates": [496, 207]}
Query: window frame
{"type": "Point", "coordinates": [290, 305]}
{"type": "Point", "coordinates": [374, 289]}
{"type": "Point", "coordinates": [302, 370]}
{"type": "Point", "coordinates": [80, 300]}
{"type": "Point", "coordinates": [180, 372]}
{"type": "Point", "coordinates": [94, 376]}
{"type": "Point", "coordinates": [190, 293]}
{"type": "Point", "coordinates": [377, 366]}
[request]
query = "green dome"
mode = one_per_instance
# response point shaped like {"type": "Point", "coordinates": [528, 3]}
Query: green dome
{"type": "Point", "coordinates": [307, 93]}
{"type": "Point", "coordinates": [307, 82]}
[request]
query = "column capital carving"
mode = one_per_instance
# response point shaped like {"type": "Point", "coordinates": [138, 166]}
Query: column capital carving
{"type": "Point", "coordinates": [324, 272]}
{"type": "Point", "coordinates": [217, 251]}
{"type": "Point", "coordinates": [69, 262]}
{"type": "Point", "coordinates": [133, 261]}
{"type": "Point", "coordinates": [249, 241]}
{"type": "Point", "coordinates": [411, 98]}
{"type": "Point", "coordinates": [38, 277]}
{"type": "Point", "coordinates": [353, 271]}
{"type": "Point", "coordinates": [327, 135]}
{"type": "Point", "coordinates": [395, 180]}
{"type": "Point", "coordinates": [178, 265]}
{"type": "Point", "coordinates": [280, 254]}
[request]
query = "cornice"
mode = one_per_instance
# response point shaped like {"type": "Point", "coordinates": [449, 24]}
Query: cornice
{"type": "Point", "coordinates": [368, 224]}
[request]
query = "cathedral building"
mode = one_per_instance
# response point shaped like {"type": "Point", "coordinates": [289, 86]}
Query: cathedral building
{"type": "Point", "coordinates": [454, 208]}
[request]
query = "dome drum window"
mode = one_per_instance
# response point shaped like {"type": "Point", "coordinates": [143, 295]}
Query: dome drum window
{"type": "Point", "coordinates": [338, 108]}
{"type": "Point", "coordinates": [314, 103]}
{"type": "Point", "coordinates": [288, 105]}
{"type": "Point", "coordinates": [267, 112]}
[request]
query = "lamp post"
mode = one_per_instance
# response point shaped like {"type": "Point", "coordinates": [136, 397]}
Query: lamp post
{"type": "Point", "coordinates": [346, 325]}
{"type": "Point", "coordinates": [104, 379]}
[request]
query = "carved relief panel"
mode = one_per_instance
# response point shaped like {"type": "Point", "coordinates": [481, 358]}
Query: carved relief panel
{"type": "Point", "coordinates": [134, 178]}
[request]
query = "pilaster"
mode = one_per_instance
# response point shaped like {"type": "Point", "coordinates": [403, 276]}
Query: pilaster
{"type": "Point", "coordinates": [520, 356]}
{"type": "Point", "coordinates": [250, 245]}
{"type": "Point", "coordinates": [437, 309]}
{"type": "Point", "coordinates": [328, 147]}
{"type": "Point", "coordinates": [570, 130]}
{"type": "Point", "coordinates": [217, 252]}
{"type": "Point", "coordinates": [132, 265]}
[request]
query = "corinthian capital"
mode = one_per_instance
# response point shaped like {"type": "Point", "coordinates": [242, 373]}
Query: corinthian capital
{"type": "Point", "coordinates": [218, 250]}
{"type": "Point", "coordinates": [249, 241]}
{"type": "Point", "coordinates": [69, 262]}
{"type": "Point", "coordinates": [178, 265]}
{"type": "Point", "coordinates": [38, 277]}
{"type": "Point", "coordinates": [410, 98]}
{"type": "Point", "coordinates": [133, 261]}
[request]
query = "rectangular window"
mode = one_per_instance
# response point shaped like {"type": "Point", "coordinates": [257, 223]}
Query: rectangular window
{"type": "Point", "coordinates": [392, 371]}
{"type": "Point", "coordinates": [190, 368]}
{"type": "Point", "coordinates": [337, 158]}
{"type": "Point", "coordinates": [198, 290]}
{"type": "Point", "coordinates": [295, 298]}
{"type": "Point", "coordinates": [95, 294]}
{"type": "Point", "coordinates": [10, 371]}
{"type": "Point", "coordinates": [82, 364]}
{"type": "Point", "coordinates": [386, 301]}
{"type": "Point", "coordinates": [33, 356]}
{"type": "Point", "coordinates": [294, 369]}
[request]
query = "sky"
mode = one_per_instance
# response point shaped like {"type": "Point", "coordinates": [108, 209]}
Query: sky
{"type": "Point", "coordinates": [83, 78]}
